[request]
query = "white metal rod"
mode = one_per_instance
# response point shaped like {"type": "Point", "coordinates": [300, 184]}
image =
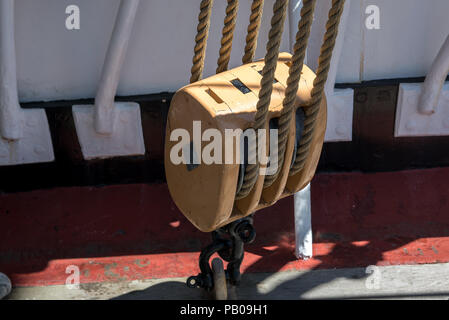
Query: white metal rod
{"type": "Point", "coordinates": [104, 101]}
{"type": "Point", "coordinates": [303, 224]}
{"type": "Point", "coordinates": [10, 113]}
{"type": "Point", "coordinates": [428, 101]}
{"type": "Point", "coordinates": [294, 15]}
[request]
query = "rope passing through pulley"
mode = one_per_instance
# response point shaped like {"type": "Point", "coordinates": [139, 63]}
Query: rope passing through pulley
{"type": "Point", "coordinates": [297, 63]}
{"type": "Point", "coordinates": [324, 62]}
{"type": "Point", "coordinates": [266, 84]}
{"type": "Point", "coordinates": [248, 100]}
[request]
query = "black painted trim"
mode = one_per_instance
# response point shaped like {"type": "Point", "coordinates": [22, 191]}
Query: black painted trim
{"type": "Point", "coordinates": [374, 147]}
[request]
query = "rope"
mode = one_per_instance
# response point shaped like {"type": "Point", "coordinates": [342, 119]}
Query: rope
{"type": "Point", "coordinates": [324, 62]}
{"type": "Point", "coordinates": [297, 63]}
{"type": "Point", "coordinates": [201, 40]}
{"type": "Point", "coordinates": [253, 31]}
{"type": "Point", "coordinates": [271, 58]}
{"type": "Point", "coordinates": [228, 35]}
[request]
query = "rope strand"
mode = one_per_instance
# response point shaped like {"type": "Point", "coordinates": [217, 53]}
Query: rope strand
{"type": "Point", "coordinates": [297, 64]}
{"type": "Point", "coordinates": [228, 35]}
{"type": "Point", "coordinates": [201, 40]}
{"type": "Point", "coordinates": [253, 31]}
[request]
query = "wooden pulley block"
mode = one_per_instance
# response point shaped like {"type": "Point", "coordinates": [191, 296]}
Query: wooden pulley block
{"type": "Point", "coordinates": [203, 176]}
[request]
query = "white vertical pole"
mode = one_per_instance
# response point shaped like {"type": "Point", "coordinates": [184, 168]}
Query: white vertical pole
{"type": "Point", "coordinates": [104, 101]}
{"type": "Point", "coordinates": [10, 112]}
{"type": "Point", "coordinates": [303, 224]}
{"type": "Point", "coordinates": [294, 11]}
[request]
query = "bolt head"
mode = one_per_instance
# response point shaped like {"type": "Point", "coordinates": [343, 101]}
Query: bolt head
{"type": "Point", "coordinates": [411, 125]}
{"type": "Point", "coordinates": [446, 123]}
{"type": "Point", "coordinates": [4, 151]}
{"type": "Point", "coordinates": [39, 150]}
{"type": "Point", "coordinates": [340, 130]}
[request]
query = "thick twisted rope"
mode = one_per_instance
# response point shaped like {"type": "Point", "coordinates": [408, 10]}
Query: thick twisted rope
{"type": "Point", "coordinates": [297, 63]}
{"type": "Point", "coordinates": [324, 62]}
{"type": "Point", "coordinates": [201, 40]}
{"type": "Point", "coordinates": [271, 59]}
{"type": "Point", "coordinates": [228, 35]}
{"type": "Point", "coordinates": [253, 31]}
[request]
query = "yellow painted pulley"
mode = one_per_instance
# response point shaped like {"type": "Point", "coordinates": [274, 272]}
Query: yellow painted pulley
{"type": "Point", "coordinates": [206, 192]}
{"type": "Point", "coordinates": [240, 140]}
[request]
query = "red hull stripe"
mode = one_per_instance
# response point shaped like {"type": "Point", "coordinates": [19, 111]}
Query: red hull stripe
{"type": "Point", "coordinates": [129, 232]}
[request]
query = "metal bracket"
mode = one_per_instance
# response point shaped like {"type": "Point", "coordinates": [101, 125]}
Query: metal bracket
{"type": "Point", "coordinates": [339, 115]}
{"type": "Point", "coordinates": [411, 123]}
{"type": "Point", "coordinates": [228, 242]}
{"type": "Point", "coordinates": [423, 109]}
{"type": "Point", "coordinates": [24, 134]}
{"type": "Point", "coordinates": [111, 129]}
{"type": "Point", "coordinates": [125, 139]}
